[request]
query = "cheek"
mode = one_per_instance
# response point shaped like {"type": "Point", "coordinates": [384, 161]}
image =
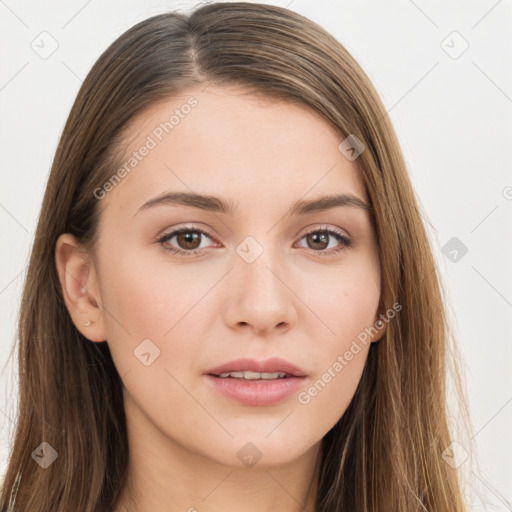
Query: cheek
{"type": "Point", "coordinates": [141, 293]}
{"type": "Point", "coordinates": [344, 300]}
{"type": "Point", "coordinates": [340, 355]}
{"type": "Point", "coordinates": [138, 303]}
{"type": "Point", "coordinates": [152, 299]}
{"type": "Point", "coordinates": [347, 308]}
{"type": "Point", "coordinates": [329, 394]}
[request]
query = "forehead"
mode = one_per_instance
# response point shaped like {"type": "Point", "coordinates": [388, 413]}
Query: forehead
{"type": "Point", "coordinates": [224, 141]}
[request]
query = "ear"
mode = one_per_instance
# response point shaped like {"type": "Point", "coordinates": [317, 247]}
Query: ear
{"type": "Point", "coordinates": [78, 281]}
{"type": "Point", "coordinates": [381, 330]}
{"type": "Point", "coordinates": [378, 328]}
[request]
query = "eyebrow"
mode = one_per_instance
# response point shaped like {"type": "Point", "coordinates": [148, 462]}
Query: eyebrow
{"type": "Point", "coordinates": [216, 204]}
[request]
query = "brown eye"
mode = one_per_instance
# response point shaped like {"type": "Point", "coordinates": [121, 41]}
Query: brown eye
{"type": "Point", "coordinates": [318, 240]}
{"type": "Point", "coordinates": [188, 241]}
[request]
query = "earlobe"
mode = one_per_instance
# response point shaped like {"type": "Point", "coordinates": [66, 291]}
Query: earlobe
{"type": "Point", "coordinates": [380, 326]}
{"type": "Point", "coordinates": [80, 291]}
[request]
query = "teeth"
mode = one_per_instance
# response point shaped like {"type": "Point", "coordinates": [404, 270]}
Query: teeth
{"type": "Point", "coordinates": [253, 375]}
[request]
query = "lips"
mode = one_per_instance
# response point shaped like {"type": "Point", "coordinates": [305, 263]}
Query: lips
{"type": "Point", "coordinates": [272, 365]}
{"type": "Point", "coordinates": [245, 386]}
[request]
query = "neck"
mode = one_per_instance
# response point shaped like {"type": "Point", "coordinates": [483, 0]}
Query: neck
{"type": "Point", "coordinates": [164, 476]}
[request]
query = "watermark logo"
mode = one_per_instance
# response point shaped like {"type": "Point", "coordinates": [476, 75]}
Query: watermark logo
{"type": "Point", "coordinates": [249, 455]}
{"type": "Point", "coordinates": [454, 249]}
{"type": "Point", "coordinates": [45, 455]}
{"type": "Point", "coordinates": [454, 45]}
{"type": "Point", "coordinates": [146, 352]}
{"type": "Point", "coordinates": [249, 249]}
{"type": "Point", "coordinates": [351, 147]}
{"type": "Point", "coordinates": [455, 455]}
{"type": "Point", "coordinates": [45, 45]}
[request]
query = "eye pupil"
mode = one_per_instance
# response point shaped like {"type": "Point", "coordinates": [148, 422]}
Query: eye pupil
{"type": "Point", "coordinates": [187, 238]}
{"type": "Point", "coordinates": [321, 238]}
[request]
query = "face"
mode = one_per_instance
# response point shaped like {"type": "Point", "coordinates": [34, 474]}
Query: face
{"type": "Point", "coordinates": [184, 287]}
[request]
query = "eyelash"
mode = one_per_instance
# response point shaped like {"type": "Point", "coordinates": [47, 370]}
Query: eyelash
{"type": "Point", "coordinates": [345, 242]}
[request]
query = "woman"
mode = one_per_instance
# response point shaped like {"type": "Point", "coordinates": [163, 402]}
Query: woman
{"type": "Point", "coordinates": [231, 300]}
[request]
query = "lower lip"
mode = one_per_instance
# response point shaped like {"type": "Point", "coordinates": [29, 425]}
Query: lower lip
{"type": "Point", "coordinates": [257, 392]}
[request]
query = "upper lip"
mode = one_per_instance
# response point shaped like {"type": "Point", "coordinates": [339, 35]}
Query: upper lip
{"type": "Point", "coordinates": [272, 365]}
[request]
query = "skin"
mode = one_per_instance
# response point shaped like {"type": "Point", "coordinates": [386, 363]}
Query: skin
{"type": "Point", "coordinates": [207, 309]}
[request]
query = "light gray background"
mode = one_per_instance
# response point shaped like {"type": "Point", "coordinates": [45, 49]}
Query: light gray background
{"type": "Point", "coordinates": [452, 115]}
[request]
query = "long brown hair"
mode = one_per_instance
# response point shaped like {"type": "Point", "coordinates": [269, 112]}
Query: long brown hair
{"type": "Point", "coordinates": [385, 453]}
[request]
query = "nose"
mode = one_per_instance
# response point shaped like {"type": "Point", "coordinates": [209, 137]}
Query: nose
{"type": "Point", "coordinates": [261, 296]}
